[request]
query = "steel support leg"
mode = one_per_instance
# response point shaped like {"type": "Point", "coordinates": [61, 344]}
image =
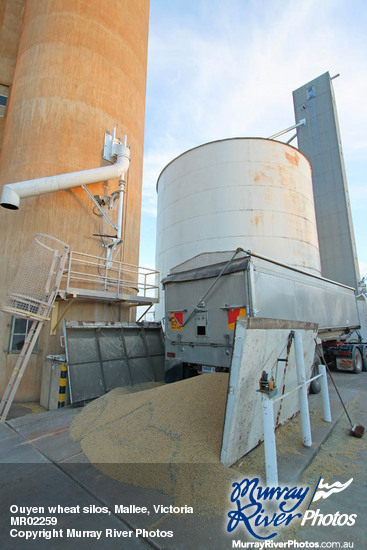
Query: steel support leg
{"type": "Point", "coordinates": [325, 394]}
{"type": "Point", "coordinates": [271, 466]}
{"type": "Point", "coordinates": [303, 397]}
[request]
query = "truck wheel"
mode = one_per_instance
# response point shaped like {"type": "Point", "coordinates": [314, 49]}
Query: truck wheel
{"type": "Point", "coordinates": [364, 357]}
{"type": "Point", "coordinates": [357, 360]}
{"type": "Point", "coordinates": [315, 386]}
{"type": "Point", "coordinates": [188, 372]}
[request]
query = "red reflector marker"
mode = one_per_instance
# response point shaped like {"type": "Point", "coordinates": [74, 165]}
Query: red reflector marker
{"type": "Point", "coordinates": [171, 354]}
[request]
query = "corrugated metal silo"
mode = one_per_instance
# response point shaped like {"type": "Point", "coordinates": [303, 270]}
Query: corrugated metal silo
{"type": "Point", "coordinates": [245, 192]}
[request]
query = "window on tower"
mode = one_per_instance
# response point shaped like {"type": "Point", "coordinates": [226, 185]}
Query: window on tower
{"type": "Point", "coordinates": [4, 94]}
{"type": "Point", "coordinates": [19, 329]}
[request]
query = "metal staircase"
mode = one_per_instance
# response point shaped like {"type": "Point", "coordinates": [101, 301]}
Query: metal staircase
{"type": "Point", "coordinates": [32, 296]}
{"type": "Point", "coordinates": [19, 369]}
{"type": "Point", "coordinates": [49, 270]}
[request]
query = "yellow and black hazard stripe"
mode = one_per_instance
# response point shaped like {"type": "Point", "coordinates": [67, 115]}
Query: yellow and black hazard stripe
{"type": "Point", "coordinates": [62, 387]}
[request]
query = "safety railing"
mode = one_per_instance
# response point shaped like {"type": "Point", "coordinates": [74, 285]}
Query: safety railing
{"type": "Point", "coordinates": [98, 277]}
{"type": "Point", "coordinates": [34, 287]}
{"type": "Point", "coordinates": [271, 464]}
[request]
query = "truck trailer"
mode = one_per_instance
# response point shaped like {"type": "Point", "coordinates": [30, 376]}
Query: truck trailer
{"type": "Point", "coordinates": [206, 294]}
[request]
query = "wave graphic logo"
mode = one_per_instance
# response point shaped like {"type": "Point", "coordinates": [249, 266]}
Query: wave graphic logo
{"type": "Point", "coordinates": [324, 490]}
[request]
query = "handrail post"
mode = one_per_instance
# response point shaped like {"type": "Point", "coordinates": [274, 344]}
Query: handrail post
{"type": "Point", "coordinates": [69, 270]}
{"type": "Point", "coordinates": [271, 466]}
{"type": "Point", "coordinates": [105, 276]}
{"type": "Point", "coordinates": [325, 394]}
{"type": "Point", "coordinates": [118, 279]}
{"type": "Point", "coordinates": [303, 397]}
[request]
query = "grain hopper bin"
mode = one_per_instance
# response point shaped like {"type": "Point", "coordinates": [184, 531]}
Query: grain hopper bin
{"type": "Point", "coordinates": [244, 192]}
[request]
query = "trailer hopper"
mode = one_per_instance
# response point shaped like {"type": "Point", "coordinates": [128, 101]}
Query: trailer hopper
{"type": "Point", "coordinates": [205, 295]}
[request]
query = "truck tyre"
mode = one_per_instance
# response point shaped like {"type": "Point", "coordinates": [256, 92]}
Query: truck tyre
{"type": "Point", "coordinates": [364, 357]}
{"type": "Point", "coordinates": [188, 371]}
{"type": "Point", "coordinates": [357, 360]}
{"type": "Point", "coordinates": [315, 386]}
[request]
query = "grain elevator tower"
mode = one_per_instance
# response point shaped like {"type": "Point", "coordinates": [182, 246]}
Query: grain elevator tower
{"type": "Point", "coordinates": [70, 71]}
{"type": "Point", "coordinates": [319, 139]}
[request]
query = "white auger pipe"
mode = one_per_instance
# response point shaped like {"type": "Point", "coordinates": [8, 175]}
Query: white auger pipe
{"type": "Point", "coordinates": [122, 184]}
{"type": "Point", "coordinates": [13, 192]}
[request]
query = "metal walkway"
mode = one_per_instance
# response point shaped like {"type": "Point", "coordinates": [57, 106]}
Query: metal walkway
{"type": "Point", "coordinates": [49, 270]}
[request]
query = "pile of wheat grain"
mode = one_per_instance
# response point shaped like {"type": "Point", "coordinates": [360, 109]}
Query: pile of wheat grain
{"type": "Point", "coordinates": [166, 438]}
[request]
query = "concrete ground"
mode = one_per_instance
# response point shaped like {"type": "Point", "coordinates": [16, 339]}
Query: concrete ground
{"type": "Point", "coordinates": [341, 458]}
{"type": "Point", "coordinates": [42, 467]}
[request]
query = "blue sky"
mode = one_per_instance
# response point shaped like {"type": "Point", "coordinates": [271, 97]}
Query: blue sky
{"type": "Point", "coordinates": [224, 69]}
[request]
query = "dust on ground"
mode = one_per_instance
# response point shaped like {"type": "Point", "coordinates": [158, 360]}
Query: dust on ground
{"type": "Point", "coordinates": [340, 452]}
{"type": "Point", "coordinates": [24, 409]}
{"type": "Point", "coordinates": [339, 458]}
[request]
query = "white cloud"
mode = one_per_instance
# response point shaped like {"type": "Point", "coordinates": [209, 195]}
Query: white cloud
{"type": "Point", "coordinates": [154, 162]}
{"type": "Point", "coordinates": [224, 69]}
{"type": "Point", "coordinates": [204, 85]}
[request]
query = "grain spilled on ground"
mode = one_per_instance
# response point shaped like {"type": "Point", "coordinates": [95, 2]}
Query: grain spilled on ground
{"type": "Point", "coordinates": [167, 438]}
{"type": "Point", "coordinates": [339, 454]}
{"type": "Point", "coordinates": [180, 422]}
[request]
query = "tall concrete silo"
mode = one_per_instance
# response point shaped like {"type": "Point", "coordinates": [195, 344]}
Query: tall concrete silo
{"type": "Point", "coordinates": [244, 192]}
{"type": "Point", "coordinates": [80, 71]}
{"type": "Point", "coordinates": [319, 139]}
